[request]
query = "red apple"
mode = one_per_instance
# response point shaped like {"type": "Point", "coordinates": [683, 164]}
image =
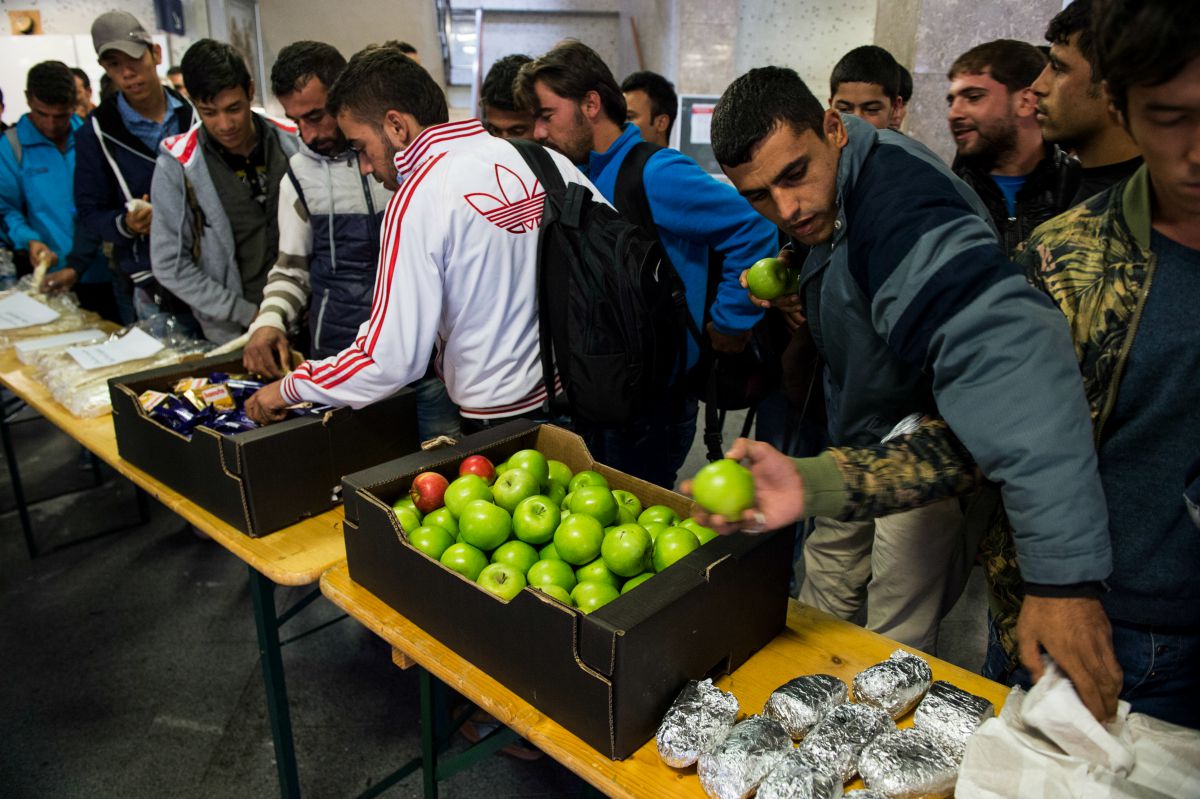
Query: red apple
{"type": "Point", "coordinates": [428, 491]}
{"type": "Point", "coordinates": [478, 464]}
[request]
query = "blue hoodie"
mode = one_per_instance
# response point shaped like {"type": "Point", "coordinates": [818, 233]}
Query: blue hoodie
{"type": "Point", "coordinates": [695, 212]}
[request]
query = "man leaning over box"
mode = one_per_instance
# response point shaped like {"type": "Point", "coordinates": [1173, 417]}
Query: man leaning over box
{"type": "Point", "coordinates": [458, 265]}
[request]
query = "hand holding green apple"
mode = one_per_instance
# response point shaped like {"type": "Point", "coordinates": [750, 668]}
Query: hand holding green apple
{"type": "Point", "coordinates": [777, 492]}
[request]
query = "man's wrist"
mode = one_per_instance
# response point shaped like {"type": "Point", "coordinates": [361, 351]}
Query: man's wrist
{"type": "Point", "coordinates": [124, 231]}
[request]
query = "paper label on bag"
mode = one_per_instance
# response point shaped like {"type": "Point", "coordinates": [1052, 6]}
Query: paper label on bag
{"type": "Point", "coordinates": [132, 346]}
{"type": "Point", "coordinates": [21, 310]}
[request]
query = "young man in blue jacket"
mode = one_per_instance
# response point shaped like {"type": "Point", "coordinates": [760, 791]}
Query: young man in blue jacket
{"type": "Point", "coordinates": [581, 113]}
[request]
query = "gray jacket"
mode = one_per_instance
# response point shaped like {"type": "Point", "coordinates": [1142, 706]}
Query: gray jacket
{"type": "Point", "coordinates": [202, 272]}
{"type": "Point", "coordinates": [915, 308]}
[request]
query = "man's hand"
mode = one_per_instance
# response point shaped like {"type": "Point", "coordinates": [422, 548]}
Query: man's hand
{"type": "Point", "coordinates": [1076, 633]}
{"type": "Point", "coordinates": [267, 352]}
{"type": "Point", "coordinates": [137, 221]}
{"type": "Point", "coordinates": [60, 281]}
{"type": "Point", "coordinates": [727, 344]}
{"type": "Point", "coordinates": [267, 404]}
{"type": "Point", "coordinates": [778, 490]}
{"type": "Point", "coordinates": [38, 251]}
{"type": "Point", "coordinates": [789, 304]}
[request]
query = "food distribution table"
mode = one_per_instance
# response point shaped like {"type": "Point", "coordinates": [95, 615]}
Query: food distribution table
{"type": "Point", "coordinates": [813, 642]}
{"type": "Point", "coordinates": [293, 556]}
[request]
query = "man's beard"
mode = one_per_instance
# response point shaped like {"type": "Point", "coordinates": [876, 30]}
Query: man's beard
{"type": "Point", "coordinates": [581, 143]}
{"type": "Point", "coordinates": [329, 146]}
{"type": "Point", "coordinates": [993, 144]}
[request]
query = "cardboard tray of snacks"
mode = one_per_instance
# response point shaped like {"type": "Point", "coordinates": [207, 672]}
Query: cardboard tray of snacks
{"type": "Point", "coordinates": [608, 676]}
{"type": "Point", "coordinates": [258, 481]}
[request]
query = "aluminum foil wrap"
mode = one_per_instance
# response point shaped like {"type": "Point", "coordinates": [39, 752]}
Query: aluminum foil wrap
{"type": "Point", "coordinates": [800, 703]}
{"type": "Point", "coordinates": [895, 685]}
{"type": "Point", "coordinates": [909, 764]}
{"type": "Point", "coordinates": [700, 718]}
{"type": "Point", "coordinates": [796, 777]}
{"type": "Point", "coordinates": [952, 713]}
{"type": "Point", "coordinates": [836, 742]}
{"type": "Point", "coordinates": [738, 764]}
{"type": "Point", "coordinates": [863, 793]}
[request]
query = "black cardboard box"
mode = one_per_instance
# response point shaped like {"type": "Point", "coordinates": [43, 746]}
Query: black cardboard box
{"type": "Point", "coordinates": [261, 480]}
{"type": "Point", "coordinates": [610, 676]}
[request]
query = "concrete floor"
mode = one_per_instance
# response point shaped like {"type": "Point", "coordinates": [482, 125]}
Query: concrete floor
{"type": "Point", "coordinates": [129, 662]}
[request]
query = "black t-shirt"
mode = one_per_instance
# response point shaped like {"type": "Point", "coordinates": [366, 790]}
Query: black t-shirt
{"type": "Point", "coordinates": [250, 169]}
{"type": "Point", "coordinates": [1098, 178]}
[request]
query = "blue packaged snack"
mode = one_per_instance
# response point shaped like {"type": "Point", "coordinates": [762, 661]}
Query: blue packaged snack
{"type": "Point", "coordinates": [175, 413]}
{"type": "Point", "coordinates": [242, 390]}
{"type": "Point", "coordinates": [231, 422]}
{"type": "Point", "coordinates": [218, 377]}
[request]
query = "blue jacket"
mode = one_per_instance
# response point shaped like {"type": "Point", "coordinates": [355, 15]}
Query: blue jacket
{"type": "Point", "coordinates": [98, 194]}
{"type": "Point", "coordinates": [695, 212]}
{"type": "Point", "coordinates": [36, 198]}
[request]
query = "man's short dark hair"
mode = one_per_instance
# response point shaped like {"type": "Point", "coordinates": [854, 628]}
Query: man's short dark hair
{"type": "Point", "coordinates": [906, 84]}
{"type": "Point", "coordinates": [1076, 18]}
{"type": "Point", "coordinates": [1143, 43]}
{"type": "Point", "coordinates": [403, 47]}
{"type": "Point", "coordinates": [497, 89]}
{"type": "Point", "coordinates": [571, 70]}
{"type": "Point", "coordinates": [210, 67]}
{"type": "Point", "coordinates": [52, 83]}
{"type": "Point", "coordinates": [1013, 63]}
{"type": "Point", "coordinates": [659, 90]}
{"type": "Point", "coordinates": [867, 64]}
{"type": "Point", "coordinates": [175, 71]}
{"type": "Point", "coordinates": [757, 103]}
{"type": "Point", "coordinates": [379, 79]}
{"type": "Point", "coordinates": [83, 76]}
{"type": "Point", "coordinates": [300, 62]}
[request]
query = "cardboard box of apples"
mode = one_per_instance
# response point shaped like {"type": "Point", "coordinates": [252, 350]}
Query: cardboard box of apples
{"type": "Point", "coordinates": [582, 589]}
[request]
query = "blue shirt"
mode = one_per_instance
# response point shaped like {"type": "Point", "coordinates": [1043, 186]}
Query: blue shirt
{"type": "Point", "coordinates": [149, 132]}
{"type": "Point", "coordinates": [1009, 186]}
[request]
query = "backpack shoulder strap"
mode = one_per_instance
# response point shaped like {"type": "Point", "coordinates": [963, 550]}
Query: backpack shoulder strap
{"type": "Point", "coordinates": [540, 163]}
{"type": "Point", "coordinates": [300, 192]}
{"type": "Point", "coordinates": [629, 193]}
{"type": "Point", "coordinates": [14, 141]}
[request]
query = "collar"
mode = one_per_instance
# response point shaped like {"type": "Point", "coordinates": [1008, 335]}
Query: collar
{"type": "Point", "coordinates": [1136, 205]}
{"type": "Point", "coordinates": [130, 114]}
{"type": "Point", "coordinates": [598, 162]}
{"type": "Point", "coordinates": [434, 140]}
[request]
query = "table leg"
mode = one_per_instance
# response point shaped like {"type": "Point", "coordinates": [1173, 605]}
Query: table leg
{"type": "Point", "coordinates": [262, 591]}
{"type": "Point", "coordinates": [14, 474]}
{"type": "Point", "coordinates": [432, 711]}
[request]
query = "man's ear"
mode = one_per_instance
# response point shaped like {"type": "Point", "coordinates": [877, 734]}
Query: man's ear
{"type": "Point", "coordinates": [157, 50]}
{"type": "Point", "coordinates": [835, 129]}
{"type": "Point", "coordinates": [591, 105]}
{"type": "Point", "coordinates": [398, 128]}
{"type": "Point", "coordinates": [1025, 104]}
{"type": "Point", "coordinates": [1112, 107]}
{"type": "Point", "coordinates": [661, 123]}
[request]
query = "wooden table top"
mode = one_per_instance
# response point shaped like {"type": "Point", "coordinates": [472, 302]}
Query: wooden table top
{"type": "Point", "coordinates": [295, 555]}
{"type": "Point", "coordinates": [813, 642]}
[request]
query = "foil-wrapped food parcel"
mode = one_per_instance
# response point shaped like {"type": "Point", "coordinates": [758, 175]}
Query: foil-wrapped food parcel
{"type": "Point", "coordinates": [952, 713]}
{"type": "Point", "coordinates": [699, 719]}
{"type": "Point", "coordinates": [735, 768]}
{"type": "Point", "coordinates": [836, 742]}
{"type": "Point", "coordinates": [800, 703]}
{"type": "Point", "coordinates": [910, 764]}
{"type": "Point", "coordinates": [895, 685]}
{"type": "Point", "coordinates": [795, 776]}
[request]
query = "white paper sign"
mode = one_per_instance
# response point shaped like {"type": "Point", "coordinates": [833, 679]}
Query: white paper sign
{"type": "Point", "coordinates": [701, 131]}
{"type": "Point", "coordinates": [132, 346]}
{"type": "Point", "coordinates": [21, 310]}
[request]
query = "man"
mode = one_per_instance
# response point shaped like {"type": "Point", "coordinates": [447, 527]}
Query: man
{"type": "Point", "coordinates": [117, 150]}
{"type": "Point", "coordinates": [215, 234]}
{"type": "Point", "coordinates": [652, 105]}
{"type": "Point", "coordinates": [581, 113]}
{"type": "Point", "coordinates": [449, 277]}
{"type": "Point", "coordinates": [406, 48]}
{"type": "Point", "coordinates": [906, 92]}
{"type": "Point", "coordinates": [329, 218]}
{"type": "Point", "coordinates": [37, 169]}
{"type": "Point", "coordinates": [866, 83]}
{"type": "Point", "coordinates": [83, 88]}
{"type": "Point", "coordinates": [1021, 179]}
{"type": "Point", "coordinates": [175, 76]}
{"type": "Point", "coordinates": [501, 115]}
{"type": "Point", "coordinates": [915, 308]}
{"type": "Point", "coordinates": [1073, 108]}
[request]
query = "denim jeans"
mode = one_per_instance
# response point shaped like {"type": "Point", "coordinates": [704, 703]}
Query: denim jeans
{"type": "Point", "coordinates": [652, 448]}
{"type": "Point", "coordinates": [436, 414]}
{"type": "Point", "coordinates": [1161, 667]}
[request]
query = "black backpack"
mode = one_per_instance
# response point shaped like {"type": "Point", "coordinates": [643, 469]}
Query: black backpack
{"type": "Point", "coordinates": [613, 313]}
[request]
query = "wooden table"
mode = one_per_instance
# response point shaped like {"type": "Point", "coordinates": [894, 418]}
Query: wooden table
{"type": "Point", "coordinates": [293, 556]}
{"type": "Point", "coordinates": [813, 642]}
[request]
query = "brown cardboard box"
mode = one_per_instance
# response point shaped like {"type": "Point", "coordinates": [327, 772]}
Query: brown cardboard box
{"type": "Point", "coordinates": [265, 479]}
{"type": "Point", "coordinates": [608, 677]}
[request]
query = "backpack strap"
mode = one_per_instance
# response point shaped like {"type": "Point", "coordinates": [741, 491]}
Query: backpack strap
{"type": "Point", "coordinates": [14, 141]}
{"type": "Point", "coordinates": [300, 192]}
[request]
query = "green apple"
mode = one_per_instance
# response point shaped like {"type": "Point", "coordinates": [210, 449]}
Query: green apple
{"type": "Point", "coordinates": [590, 596]}
{"type": "Point", "coordinates": [531, 461]}
{"type": "Point", "coordinates": [672, 544]}
{"type": "Point", "coordinates": [552, 572]}
{"type": "Point", "coordinates": [409, 519]}
{"type": "Point", "coordinates": [443, 518]}
{"type": "Point", "coordinates": [627, 550]}
{"type": "Point", "coordinates": [406, 501]}
{"type": "Point", "coordinates": [634, 582]}
{"type": "Point", "coordinates": [566, 501]}
{"type": "Point", "coordinates": [512, 487]}
{"type": "Point", "coordinates": [624, 516]}
{"type": "Point", "coordinates": [549, 552]}
{"type": "Point", "coordinates": [577, 539]}
{"type": "Point", "coordinates": [587, 478]}
{"type": "Point", "coordinates": [724, 487]}
{"type": "Point", "coordinates": [654, 528]}
{"type": "Point", "coordinates": [597, 502]}
{"type": "Point", "coordinates": [467, 488]}
{"type": "Point", "coordinates": [517, 554]}
{"type": "Point", "coordinates": [597, 572]}
{"type": "Point", "coordinates": [535, 519]}
{"type": "Point", "coordinates": [558, 592]}
{"type": "Point", "coordinates": [484, 525]}
{"type": "Point", "coordinates": [559, 472]}
{"type": "Point", "coordinates": [704, 534]}
{"type": "Point", "coordinates": [658, 514]}
{"type": "Point", "coordinates": [502, 580]}
{"type": "Point", "coordinates": [769, 278]}
{"type": "Point", "coordinates": [433, 541]}
{"type": "Point", "coordinates": [501, 468]}
{"type": "Point", "coordinates": [556, 491]}
{"type": "Point", "coordinates": [629, 502]}
{"type": "Point", "coordinates": [464, 559]}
